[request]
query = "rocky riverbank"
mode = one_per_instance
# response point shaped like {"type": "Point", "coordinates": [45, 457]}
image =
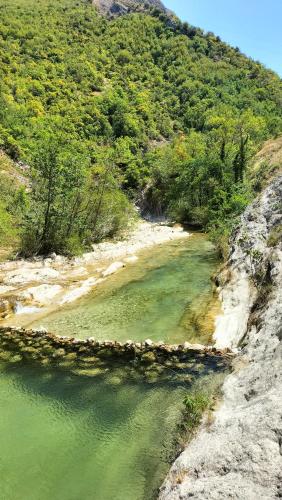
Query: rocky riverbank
{"type": "Point", "coordinates": [41, 285]}
{"type": "Point", "coordinates": [239, 455]}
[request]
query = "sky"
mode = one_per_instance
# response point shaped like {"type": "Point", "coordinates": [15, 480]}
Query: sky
{"type": "Point", "coordinates": [255, 26]}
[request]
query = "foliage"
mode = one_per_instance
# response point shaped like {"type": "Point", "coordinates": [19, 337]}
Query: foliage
{"type": "Point", "coordinates": [12, 203]}
{"type": "Point", "coordinates": [106, 111]}
{"type": "Point", "coordinates": [7, 230]}
{"type": "Point", "coordinates": [72, 203]}
{"type": "Point", "coordinates": [195, 405]}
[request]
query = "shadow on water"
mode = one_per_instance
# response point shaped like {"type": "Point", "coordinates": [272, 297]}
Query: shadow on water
{"type": "Point", "coordinates": [106, 431]}
{"type": "Point", "coordinates": [105, 437]}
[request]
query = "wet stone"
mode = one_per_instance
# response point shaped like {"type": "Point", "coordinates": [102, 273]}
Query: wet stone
{"type": "Point", "coordinates": [5, 356]}
{"type": "Point", "coordinates": [71, 356]}
{"type": "Point", "coordinates": [148, 343]}
{"type": "Point", "coordinates": [16, 359]}
{"type": "Point", "coordinates": [59, 353]}
{"type": "Point", "coordinates": [29, 350]}
{"type": "Point", "coordinates": [148, 357]}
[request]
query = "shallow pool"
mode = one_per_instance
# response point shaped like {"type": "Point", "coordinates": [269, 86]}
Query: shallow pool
{"type": "Point", "coordinates": [164, 296]}
{"type": "Point", "coordinates": [68, 437]}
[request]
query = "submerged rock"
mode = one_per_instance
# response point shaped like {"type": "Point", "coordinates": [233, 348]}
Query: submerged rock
{"type": "Point", "coordinates": [16, 359]}
{"type": "Point", "coordinates": [79, 291]}
{"type": "Point", "coordinates": [148, 357]}
{"type": "Point", "coordinates": [113, 268]}
{"type": "Point", "coordinates": [89, 372]}
{"type": "Point", "coordinates": [59, 353]}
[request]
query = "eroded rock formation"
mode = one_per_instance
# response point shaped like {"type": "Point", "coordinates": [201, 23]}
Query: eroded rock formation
{"type": "Point", "coordinates": [119, 7]}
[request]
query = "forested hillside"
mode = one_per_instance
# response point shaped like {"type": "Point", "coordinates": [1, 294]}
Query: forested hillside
{"type": "Point", "coordinates": [135, 109]}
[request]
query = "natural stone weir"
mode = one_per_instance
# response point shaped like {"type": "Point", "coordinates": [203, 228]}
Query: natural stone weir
{"type": "Point", "coordinates": [41, 346]}
{"type": "Point", "coordinates": [239, 455]}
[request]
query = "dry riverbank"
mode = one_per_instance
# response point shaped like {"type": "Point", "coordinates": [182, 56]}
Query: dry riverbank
{"type": "Point", "coordinates": [41, 285]}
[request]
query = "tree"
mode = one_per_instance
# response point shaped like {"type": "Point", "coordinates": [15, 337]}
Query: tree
{"type": "Point", "coordinates": [59, 172]}
{"type": "Point", "coordinates": [70, 204]}
{"type": "Point", "coordinates": [248, 130]}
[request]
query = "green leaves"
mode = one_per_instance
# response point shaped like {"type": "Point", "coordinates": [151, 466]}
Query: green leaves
{"type": "Point", "coordinates": [179, 112]}
{"type": "Point", "coordinates": [195, 405]}
{"type": "Point", "coordinates": [72, 203]}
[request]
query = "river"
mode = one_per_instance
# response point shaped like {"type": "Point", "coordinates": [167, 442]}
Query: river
{"type": "Point", "coordinates": [164, 296]}
{"type": "Point", "coordinates": [70, 436]}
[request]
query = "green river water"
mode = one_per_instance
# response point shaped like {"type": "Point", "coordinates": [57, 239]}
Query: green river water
{"type": "Point", "coordinates": [68, 436]}
{"type": "Point", "coordinates": [158, 298]}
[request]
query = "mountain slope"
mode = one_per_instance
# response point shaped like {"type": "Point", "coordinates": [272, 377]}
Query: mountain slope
{"type": "Point", "coordinates": [157, 112]}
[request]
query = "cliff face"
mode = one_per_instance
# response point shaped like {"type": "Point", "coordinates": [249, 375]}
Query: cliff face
{"type": "Point", "coordinates": [119, 7]}
{"type": "Point", "coordinates": [240, 455]}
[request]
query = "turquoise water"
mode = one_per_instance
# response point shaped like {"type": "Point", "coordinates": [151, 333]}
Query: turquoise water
{"type": "Point", "coordinates": [108, 434]}
{"type": "Point", "coordinates": [153, 298]}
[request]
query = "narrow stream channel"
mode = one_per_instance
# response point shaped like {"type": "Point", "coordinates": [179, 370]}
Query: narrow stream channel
{"type": "Point", "coordinates": [70, 436]}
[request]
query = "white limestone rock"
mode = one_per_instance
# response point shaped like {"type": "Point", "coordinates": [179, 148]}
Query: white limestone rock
{"type": "Point", "coordinates": [239, 456]}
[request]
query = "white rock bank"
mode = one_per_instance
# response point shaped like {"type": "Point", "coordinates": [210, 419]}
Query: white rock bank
{"type": "Point", "coordinates": [40, 284]}
{"type": "Point", "coordinates": [240, 455]}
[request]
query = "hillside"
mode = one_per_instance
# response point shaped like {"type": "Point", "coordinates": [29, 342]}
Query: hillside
{"type": "Point", "coordinates": [267, 163]}
{"type": "Point", "coordinates": [135, 109]}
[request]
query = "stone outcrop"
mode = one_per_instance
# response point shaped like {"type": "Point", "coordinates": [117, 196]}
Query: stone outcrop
{"type": "Point", "coordinates": [239, 455]}
{"type": "Point", "coordinates": [120, 7]}
{"type": "Point", "coordinates": [113, 268]}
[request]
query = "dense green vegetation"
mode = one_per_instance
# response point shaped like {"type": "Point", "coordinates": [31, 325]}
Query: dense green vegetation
{"type": "Point", "coordinates": [107, 113]}
{"type": "Point", "coordinates": [13, 204]}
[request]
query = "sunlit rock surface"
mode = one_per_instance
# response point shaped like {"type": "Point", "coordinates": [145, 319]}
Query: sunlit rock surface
{"type": "Point", "coordinates": [240, 455]}
{"type": "Point", "coordinates": [119, 7]}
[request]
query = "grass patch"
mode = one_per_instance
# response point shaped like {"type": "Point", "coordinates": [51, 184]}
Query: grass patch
{"type": "Point", "coordinates": [195, 405]}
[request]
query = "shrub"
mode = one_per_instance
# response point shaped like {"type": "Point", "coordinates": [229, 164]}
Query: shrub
{"type": "Point", "coordinates": [195, 405]}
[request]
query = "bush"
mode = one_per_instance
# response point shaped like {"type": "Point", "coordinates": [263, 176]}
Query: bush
{"type": "Point", "coordinates": [72, 203]}
{"type": "Point", "coordinates": [219, 234]}
{"type": "Point", "coordinates": [8, 232]}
